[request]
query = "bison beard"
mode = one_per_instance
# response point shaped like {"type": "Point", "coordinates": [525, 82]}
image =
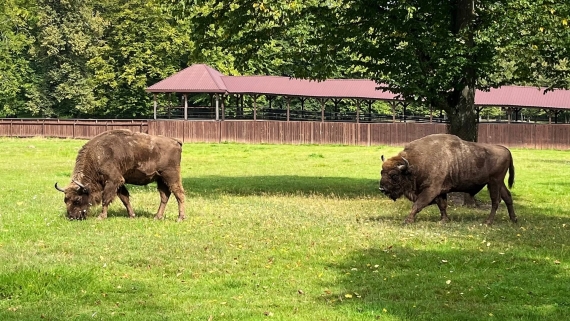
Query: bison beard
{"type": "Point", "coordinates": [118, 157]}
{"type": "Point", "coordinates": [430, 167]}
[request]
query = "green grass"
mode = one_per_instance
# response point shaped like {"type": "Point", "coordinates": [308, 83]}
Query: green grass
{"type": "Point", "coordinates": [279, 233]}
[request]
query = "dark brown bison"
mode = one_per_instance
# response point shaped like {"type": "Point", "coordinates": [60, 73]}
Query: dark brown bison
{"type": "Point", "coordinates": [118, 157]}
{"type": "Point", "coordinates": [430, 167]}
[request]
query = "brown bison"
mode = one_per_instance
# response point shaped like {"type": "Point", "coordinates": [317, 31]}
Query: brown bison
{"type": "Point", "coordinates": [430, 167]}
{"type": "Point", "coordinates": [118, 157]}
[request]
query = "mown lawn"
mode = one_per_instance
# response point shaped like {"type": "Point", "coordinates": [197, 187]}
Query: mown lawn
{"type": "Point", "coordinates": [279, 233]}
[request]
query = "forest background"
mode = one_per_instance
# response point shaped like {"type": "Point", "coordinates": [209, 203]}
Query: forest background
{"type": "Point", "coordinates": [94, 59]}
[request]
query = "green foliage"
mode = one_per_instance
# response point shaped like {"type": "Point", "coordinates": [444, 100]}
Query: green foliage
{"type": "Point", "coordinates": [95, 58]}
{"type": "Point", "coordinates": [144, 46]}
{"type": "Point", "coordinates": [533, 37]}
{"type": "Point", "coordinates": [68, 34]}
{"type": "Point", "coordinates": [433, 52]}
{"type": "Point", "coordinates": [17, 91]}
{"type": "Point", "coordinates": [279, 232]}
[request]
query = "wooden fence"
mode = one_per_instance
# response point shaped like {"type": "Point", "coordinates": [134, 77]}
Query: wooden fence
{"type": "Point", "coordinates": [281, 132]}
{"type": "Point", "coordinates": [525, 135]}
{"type": "Point", "coordinates": [63, 128]}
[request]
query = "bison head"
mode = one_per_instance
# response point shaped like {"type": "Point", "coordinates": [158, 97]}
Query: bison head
{"type": "Point", "coordinates": [77, 200]}
{"type": "Point", "coordinates": [394, 177]}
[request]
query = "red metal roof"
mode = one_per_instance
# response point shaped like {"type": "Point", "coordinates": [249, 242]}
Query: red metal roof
{"type": "Point", "coordinates": [204, 79]}
{"type": "Point", "coordinates": [285, 86]}
{"type": "Point", "coordinates": [197, 78]}
{"type": "Point", "coordinates": [201, 78]}
{"type": "Point", "coordinates": [522, 96]}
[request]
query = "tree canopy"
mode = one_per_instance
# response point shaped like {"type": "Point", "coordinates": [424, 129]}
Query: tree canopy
{"type": "Point", "coordinates": [432, 51]}
{"type": "Point", "coordinates": [95, 58]}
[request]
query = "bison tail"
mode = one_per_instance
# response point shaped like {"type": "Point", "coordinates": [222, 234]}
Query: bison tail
{"type": "Point", "coordinates": [511, 173]}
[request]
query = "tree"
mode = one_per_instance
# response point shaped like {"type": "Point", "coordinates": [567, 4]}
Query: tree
{"type": "Point", "coordinates": [68, 34]}
{"type": "Point", "coordinates": [432, 51]}
{"type": "Point", "coordinates": [143, 45]}
{"type": "Point", "coordinates": [18, 91]}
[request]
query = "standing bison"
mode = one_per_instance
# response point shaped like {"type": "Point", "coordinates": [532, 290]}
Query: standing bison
{"type": "Point", "coordinates": [428, 168]}
{"type": "Point", "coordinates": [118, 157]}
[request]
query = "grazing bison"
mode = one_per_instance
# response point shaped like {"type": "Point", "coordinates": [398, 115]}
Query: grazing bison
{"type": "Point", "coordinates": [118, 157]}
{"type": "Point", "coordinates": [430, 167]}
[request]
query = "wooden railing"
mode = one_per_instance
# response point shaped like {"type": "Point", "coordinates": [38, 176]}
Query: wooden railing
{"type": "Point", "coordinates": [66, 128]}
{"type": "Point", "coordinates": [525, 135]}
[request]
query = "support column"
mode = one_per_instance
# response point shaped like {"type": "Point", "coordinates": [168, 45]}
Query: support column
{"type": "Point", "coordinates": [217, 107]}
{"type": "Point", "coordinates": [323, 101]}
{"type": "Point", "coordinates": [155, 105]}
{"type": "Point", "coordinates": [288, 106]}
{"type": "Point", "coordinates": [185, 106]}
{"type": "Point", "coordinates": [254, 107]}
{"type": "Point", "coordinates": [358, 111]}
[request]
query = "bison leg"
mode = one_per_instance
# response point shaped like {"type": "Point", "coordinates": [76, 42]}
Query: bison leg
{"type": "Point", "coordinates": [164, 192]}
{"type": "Point", "coordinates": [424, 199]}
{"type": "Point", "coordinates": [441, 202]}
{"type": "Point", "coordinates": [506, 196]}
{"type": "Point", "coordinates": [179, 194]}
{"type": "Point", "coordinates": [173, 181]}
{"type": "Point", "coordinates": [123, 194]}
{"type": "Point", "coordinates": [495, 195]}
{"type": "Point", "coordinates": [178, 191]}
{"type": "Point", "coordinates": [109, 193]}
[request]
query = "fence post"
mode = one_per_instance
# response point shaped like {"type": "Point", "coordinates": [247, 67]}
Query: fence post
{"type": "Point", "coordinates": [219, 130]}
{"type": "Point", "coordinates": [312, 131]}
{"type": "Point", "coordinates": [369, 139]}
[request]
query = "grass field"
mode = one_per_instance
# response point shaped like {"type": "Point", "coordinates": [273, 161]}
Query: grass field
{"type": "Point", "coordinates": [279, 233]}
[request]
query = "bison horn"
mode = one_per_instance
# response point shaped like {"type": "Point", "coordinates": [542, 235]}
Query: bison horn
{"type": "Point", "coordinates": [59, 188]}
{"type": "Point", "coordinates": [82, 188]}
{"type": "Point", "coordinates": [78, 184]}
{"type": "Point", "coordinates": [404, 167]}
{"type": "Point", "coordinates": [382, 158]}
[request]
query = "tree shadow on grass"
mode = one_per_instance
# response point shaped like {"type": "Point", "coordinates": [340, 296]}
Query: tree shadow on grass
{"type": "Point", "coordinates": [212, 186]}
{"type": "Point", "coordinates": [122, 213]}
{"type": "Point", "coordinates": [114, 213]}
{"type": "Point", "coordinates": [528, 212]}
{"type": "Point", "coordinates": [455, 284]}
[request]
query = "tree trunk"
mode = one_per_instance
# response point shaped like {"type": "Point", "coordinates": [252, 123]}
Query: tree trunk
{"type": "Point", "coordinates": [462, 114]}
{"type": "Point", "coordinates": [460, 107]}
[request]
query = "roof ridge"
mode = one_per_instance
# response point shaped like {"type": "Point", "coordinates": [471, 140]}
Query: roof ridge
{"type": "Point", "coordinates": [216, 77]}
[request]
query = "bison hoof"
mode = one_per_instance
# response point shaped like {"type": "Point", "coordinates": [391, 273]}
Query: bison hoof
{"type": "Point", "coordinates": [488, 222]}
{"type": "Point", "coordinates": [514, 220]}
{"type": "Point", "coordinates": [180, 219]}
{"type": "Point", "coordinates": [158, 217]}
{"type": "Point", "coordinates": [444, 220]}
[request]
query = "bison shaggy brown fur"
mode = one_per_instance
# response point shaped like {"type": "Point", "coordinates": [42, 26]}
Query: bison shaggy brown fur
{"type": "Point", "coordinates": [430, 167]}
{"type": "Point", "coordinates": [117, 157]}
